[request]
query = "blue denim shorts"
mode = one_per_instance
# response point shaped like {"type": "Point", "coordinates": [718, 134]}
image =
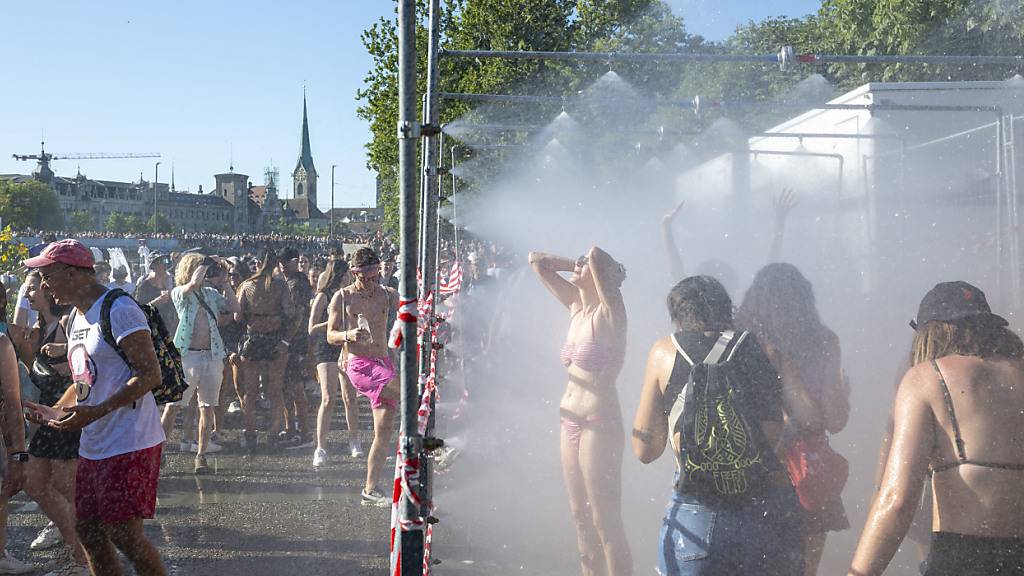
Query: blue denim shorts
{"type": "Point", "coordinates": [765, 537]}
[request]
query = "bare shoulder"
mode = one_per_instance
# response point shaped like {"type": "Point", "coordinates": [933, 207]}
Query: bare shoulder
{"type": "Point", "coordinates": [921, 382]}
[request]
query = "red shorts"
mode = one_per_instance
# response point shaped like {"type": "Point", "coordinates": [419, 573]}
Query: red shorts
{"type": "Point", "coordinates": [119, 488]}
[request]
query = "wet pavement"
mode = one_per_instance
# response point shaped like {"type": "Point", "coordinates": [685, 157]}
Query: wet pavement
{"type": "Point", "coordinates": [271, 514]}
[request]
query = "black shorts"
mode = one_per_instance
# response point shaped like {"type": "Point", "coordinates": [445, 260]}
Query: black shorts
{"type": "Point", "coordinates": [260, 346]}
{"type": "Point", "coordinates": [54, 444]}
{"type": "Point", "coordinates": [963, 555]}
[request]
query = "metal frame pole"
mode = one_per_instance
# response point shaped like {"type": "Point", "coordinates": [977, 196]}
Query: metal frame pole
{"type": "Point", "coordinates": [409, 534]}
{"type": "Point", "coordinates": [331, 235]}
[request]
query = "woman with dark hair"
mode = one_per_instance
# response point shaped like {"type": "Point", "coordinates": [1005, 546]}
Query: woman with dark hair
{"type": "Point", "coordinates": [265, 302]}
{"type": "Point", "coordinates": [760, 532]}
{"type": "Point", "coordinates": [958, 417]}
{"type": "Point", "coordinates": [328, 369]}
{"type": "Point", "coordinates": [53, 455]}
{"type": "Point", "coordinates": [592, 441]}
{"type": "Point", "coordinates": [779, 310]}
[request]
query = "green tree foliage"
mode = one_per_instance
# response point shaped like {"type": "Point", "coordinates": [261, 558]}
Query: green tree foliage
{"type": "Point", "coordinates": [163, 225]}
{"type": "Point", "coordinates": [80, 221]}
{"type": "Point", "coordinates": [29, 205]}
{"type": "Point", "coordinates": [559, 25]}
{"type": "Point", "coordinates": [978, 27]}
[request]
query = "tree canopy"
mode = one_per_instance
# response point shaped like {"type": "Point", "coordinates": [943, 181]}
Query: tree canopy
{"type": "Point", "coordinates": [749, 92]}
{"type": "Point", "coordinates": [29, 205]}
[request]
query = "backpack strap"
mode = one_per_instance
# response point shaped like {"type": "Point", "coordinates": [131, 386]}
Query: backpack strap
{"type": "Point", "coordinates": [718, 350]}
{"type": "Point", "coordinates": [682, 352]}
{"type": "Point", "coordinates": [736, 346]}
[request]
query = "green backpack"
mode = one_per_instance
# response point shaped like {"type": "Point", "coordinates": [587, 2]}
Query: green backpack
{"type": "Point", "coordinates": [722, 450]}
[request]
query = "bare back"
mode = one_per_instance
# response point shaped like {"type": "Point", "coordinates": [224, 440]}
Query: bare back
{"type": "Point", "coordinates": [988, 400]}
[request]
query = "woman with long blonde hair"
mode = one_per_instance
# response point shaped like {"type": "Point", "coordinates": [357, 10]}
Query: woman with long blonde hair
{"type": "Point", "coordinates": [958, 424]}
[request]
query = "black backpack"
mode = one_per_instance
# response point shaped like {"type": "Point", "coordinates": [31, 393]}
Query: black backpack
{"type": "Point", "coordinates": [722, 449]}
{"type": "Point", "coordinates": [172, 375]}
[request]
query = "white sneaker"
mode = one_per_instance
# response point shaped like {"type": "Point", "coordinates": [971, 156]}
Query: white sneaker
{"type": "Point", "coordinates": [11, 565]}
{"type": "Point", "coordinates": [72, 569]}
{"type": "Point", "coordinates": [48, 538]}
{"type": "Point", "coordinates": [234, 407]}
{"type": "Point", "coordinates": [356, 448]}
{"type": "Point", "coordinates": [319, 457]}
{"type": "Point", "coordinates": [211, 447]}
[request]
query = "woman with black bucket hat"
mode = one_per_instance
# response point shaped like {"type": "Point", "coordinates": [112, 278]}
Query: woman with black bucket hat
{"type": "Point", "coordinates": [959, 417]}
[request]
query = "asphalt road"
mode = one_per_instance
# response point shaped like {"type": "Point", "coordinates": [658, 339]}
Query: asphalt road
{"type": "Point", "coordinates": [271, 514]}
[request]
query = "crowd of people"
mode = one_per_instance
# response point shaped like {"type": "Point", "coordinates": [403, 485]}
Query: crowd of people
{"type": "Point", "coordinates": [746, 396]}
{"type": "Point", "coordinates": [97, 363]}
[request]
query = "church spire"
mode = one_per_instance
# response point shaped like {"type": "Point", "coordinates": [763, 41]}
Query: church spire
{"type": "Point", "coordinates": [306, 153]}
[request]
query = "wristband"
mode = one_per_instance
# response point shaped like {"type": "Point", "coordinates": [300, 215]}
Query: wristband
{"type": "Point", "coordinates": [18, 457]}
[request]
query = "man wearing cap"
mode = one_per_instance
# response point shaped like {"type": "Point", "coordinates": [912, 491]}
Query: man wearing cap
{"type": "Point", "coordinates": [111, 403]}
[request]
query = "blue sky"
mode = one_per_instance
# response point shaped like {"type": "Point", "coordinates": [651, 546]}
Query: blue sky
{"type": "Point", "coordinates": [204, 83]}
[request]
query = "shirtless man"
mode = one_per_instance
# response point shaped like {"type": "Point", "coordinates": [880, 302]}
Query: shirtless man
{"type": "Point", "coordinates": [365, 357]}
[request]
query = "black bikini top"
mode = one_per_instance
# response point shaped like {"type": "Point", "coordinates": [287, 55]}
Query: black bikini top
{"type": "Point", "coordinates": [959, 440]}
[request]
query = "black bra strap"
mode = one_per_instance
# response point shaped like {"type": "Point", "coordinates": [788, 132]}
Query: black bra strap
{"type": "Point", "coordinates": [960, 452]}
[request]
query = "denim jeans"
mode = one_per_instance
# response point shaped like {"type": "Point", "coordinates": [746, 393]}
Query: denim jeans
{"type": "Point", "coordinates": [765, 537]}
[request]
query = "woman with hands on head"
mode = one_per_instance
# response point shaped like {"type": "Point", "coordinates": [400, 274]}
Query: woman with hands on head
{"type": "Point", "coordinates": [592, 439]}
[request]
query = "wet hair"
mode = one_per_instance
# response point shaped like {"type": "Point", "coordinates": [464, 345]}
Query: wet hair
{"type": "Point", "coordinates": [700, 304]}
{"type": "Point", "coordinates": [119, 272]}
{"type": "Point", "coordinates": [967, 337]}
{"type": "Point", "coordinates": [3, 304]}
{"type": "Point", "coordinates": [365, 257]}
{"type": "Point", "coordinates": [779, 310]}
{"type": "Point", "coordinates": [330, 281]}
{"type": "Point", "coordinates": [265, 271]}
{"type": "Point", "coordinates": [187, 267]}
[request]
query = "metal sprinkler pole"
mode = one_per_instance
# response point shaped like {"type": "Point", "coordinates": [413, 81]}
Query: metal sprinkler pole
{"type": "Point", "coordinates": [407, 556]}
{"type": "Point", "coordinates": [428, 262]}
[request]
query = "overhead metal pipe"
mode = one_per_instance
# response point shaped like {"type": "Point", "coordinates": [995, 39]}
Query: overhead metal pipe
{"type": "Point", "coordinates": [696, 104]}
{"type": "Point", "coordinates": [833, 156]}
{"type": "Point", "coordinates": [783, 59]}
{"type": "Point", "coordinates": [407, 547]}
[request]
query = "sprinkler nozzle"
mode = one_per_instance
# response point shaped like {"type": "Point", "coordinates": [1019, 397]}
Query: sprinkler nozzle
{"type": "Point", "coordinates": [430, 443]}
{"type": "Point", "coordinates": [429, 130]}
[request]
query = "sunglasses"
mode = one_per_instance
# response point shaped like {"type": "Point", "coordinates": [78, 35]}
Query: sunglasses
{"type": "Point", "coordinates": [582, 261]}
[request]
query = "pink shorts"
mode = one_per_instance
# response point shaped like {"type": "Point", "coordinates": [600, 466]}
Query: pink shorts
{"type": "Point", "coordinates": [119, 488]}
{"type": "Point", "coordinates": [369, 376]}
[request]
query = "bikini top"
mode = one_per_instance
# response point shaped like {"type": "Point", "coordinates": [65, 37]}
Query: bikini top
{"type": "Point", "coordinates": [959, 440]}
{"type": "Point", "coordinates": [589, 355]}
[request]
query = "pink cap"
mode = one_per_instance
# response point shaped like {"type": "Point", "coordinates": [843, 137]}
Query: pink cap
{"type": "Point", "coordinates": [70, 252]}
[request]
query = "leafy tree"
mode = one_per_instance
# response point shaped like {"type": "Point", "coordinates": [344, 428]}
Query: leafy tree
{"type": "Point", "coordinates": [163, 225]}
{"type": "Point", "coordinates": [118, 223]}
{"type": "Point", "coordinates": [29, 205]}
{"type": "Point", "coordinates": [80, 221]}
{"type": "Point", "coordinates": [559, 25]}
{"type": "Point", "coordinates": [979, 27]}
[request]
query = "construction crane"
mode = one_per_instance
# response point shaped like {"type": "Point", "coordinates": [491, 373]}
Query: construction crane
{"type": "Point", "coordinates": [44, 158]}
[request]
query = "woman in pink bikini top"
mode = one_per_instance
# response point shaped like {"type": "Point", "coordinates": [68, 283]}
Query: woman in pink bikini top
{"type": "Point", "coordinates": [592, 437]}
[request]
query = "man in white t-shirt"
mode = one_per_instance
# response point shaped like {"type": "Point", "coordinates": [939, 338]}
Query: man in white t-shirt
{"type": "Point", "coordinates": [111, 403]}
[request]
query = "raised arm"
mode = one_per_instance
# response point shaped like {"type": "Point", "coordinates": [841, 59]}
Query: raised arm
{"type": "Point", "coordinates": [608, 276]}
{"type": "Point", "coordinates": [781, 205]}
{"type": "Point", "coordinates": [675, 257]}
{"type": "Point", "coordinates": [547, 267]}
{"type": "Point", "coordinates": [893, 508]}
{"type": "Point", "coordinates": [650, 426]}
